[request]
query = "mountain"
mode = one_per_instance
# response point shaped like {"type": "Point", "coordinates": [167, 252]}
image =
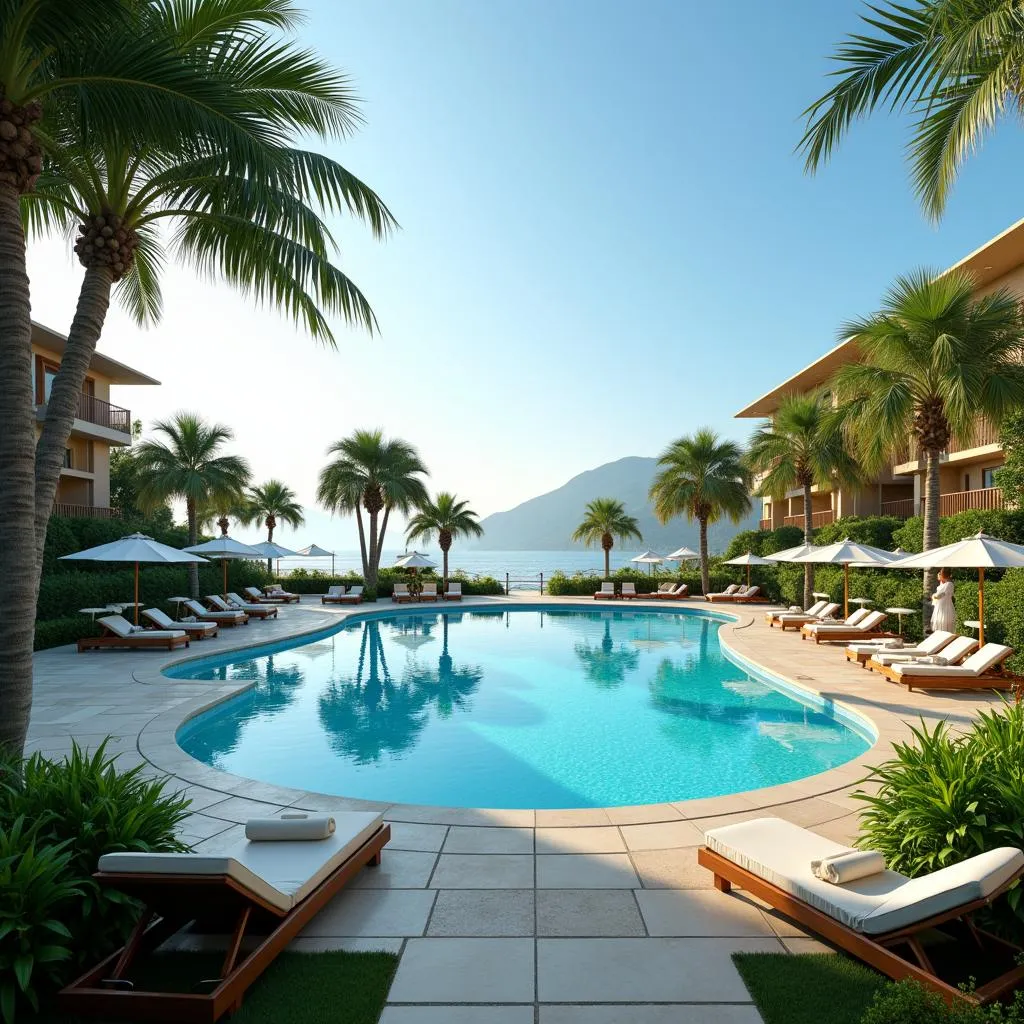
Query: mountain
{"type": "Point", "coordinates": [546, 523]}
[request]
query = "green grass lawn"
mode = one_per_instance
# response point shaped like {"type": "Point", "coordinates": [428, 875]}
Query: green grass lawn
{"type": "Point", "coordinates": [808, 989]}
{"type": "Point", "coordinates": [298, 988]}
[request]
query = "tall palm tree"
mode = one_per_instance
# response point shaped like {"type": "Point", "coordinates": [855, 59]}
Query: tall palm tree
{"type": "Point", "coordinates": [799, 447]}
{"type": "Point", "coordinates": [936, 363]}
{"type": "Point", "coordinates": [186, 463]}
{"type": "Point", "coordinates": [250, 215]}
{"type": "Point", "coordinates": [376, 474]}
{"type": "Point", "coordinates": [703, 478]}
{"type": "Point", "coordinates": [271, 503]}
{"type": "Point", "coordinates": [604, 521]}
{"type": "Point", "coordinates": [86, 69]}
{"type": "Point", "coordinates": [448, 518]}
{"type": "Point", "coordinates": [954, 65]}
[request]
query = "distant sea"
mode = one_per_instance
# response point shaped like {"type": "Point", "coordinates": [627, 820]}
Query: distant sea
{"type": "Point", "coordinates": [520, 565]}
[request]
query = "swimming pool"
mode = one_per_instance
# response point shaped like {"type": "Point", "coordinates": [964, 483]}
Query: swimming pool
{"type": "Point", "coordinates": [529, 707]}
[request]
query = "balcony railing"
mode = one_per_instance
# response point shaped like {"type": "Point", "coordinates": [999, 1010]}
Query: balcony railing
{"type": "Point", "coordinates": [103, 414]}
{"type": "Point", "coordinates": [984, 434]}
{"type": "Point", "coordinates": [66, 511]}
{"type": "Point", "coordinates": [817, 519]}
{"type": "Point", "coordinates": [904, 508]}
{"type": "Point", "coordinates": [961, 501]}
{"type": "Point", "coordinates": [764, 524]}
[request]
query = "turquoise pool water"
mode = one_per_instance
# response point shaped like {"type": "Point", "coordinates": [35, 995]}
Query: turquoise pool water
{"type": "Point", "coordinates": [513, 708]}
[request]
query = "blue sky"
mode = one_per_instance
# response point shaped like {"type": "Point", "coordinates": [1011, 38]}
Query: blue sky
{"type": "Point", "coordinates": [607, 241]}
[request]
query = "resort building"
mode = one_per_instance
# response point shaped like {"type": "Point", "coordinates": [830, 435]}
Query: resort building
{"type": "Point", "coordinates": [967, 468]}
{"type": "Point", "coordinates": [84, 487]}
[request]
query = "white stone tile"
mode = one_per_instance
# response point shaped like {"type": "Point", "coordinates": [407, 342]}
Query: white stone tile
{"type": "Point", "coordinates": [465, 971]}
{"type": "Point", "coordinates": [585, 871]}
{"type": "Point", "coordinates": [483, 912]}
{"type": "Point", "coordinates": [370, 912]}
{"type": "Point", "coordinates": [484, 839]}
{"type": "Point", "coordinates": [240, 809]}
{"type": "Point", "coordinates": [457, 1015]}
{"type": "Point", "coordinates": [398, 869]}
{"type": "Point", "coordinates": [671, 869]}
{"type": "Point", "coordinates": [483, 871]}
{"type": "Point", "coordinates": [409, 836]}
{"type": "Point", "coordinates": [668, 835]}
{"type": "Point", "coordinates": [572, 818]}
{"type": "Point", "coordinates": [666, 1013]}
{"type": "Point", "coordinates": [700, 912]}
{"type": "Point", "coordinates": [587, 912]}
{"type": "Point", "coordinates": [580, 840]}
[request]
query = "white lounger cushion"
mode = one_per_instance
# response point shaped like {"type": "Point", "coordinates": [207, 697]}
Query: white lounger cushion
{"type": "Point", "coordinates": [977, 664]}
{"type": "Point", "coordinates": [931, 644]}
{"type": "Point", "coordinates": [823, 612]}
{"type": "Point", "coordinates": [781, 853]}
{"type": "Point", "coordinates": [164, 620]}
{"type": "Point", "coordinates": [123, 628]}
{"type": "Point", "coordinates": [197, 609]}
{"type": "Point", "coordinates": [867, 624]}
{"type": "Point", "coordinates": [283, 874]}
{"type": "Point", "coordinates": [956, 649]}
{"type": "Point", "coordinates": [246, 606]}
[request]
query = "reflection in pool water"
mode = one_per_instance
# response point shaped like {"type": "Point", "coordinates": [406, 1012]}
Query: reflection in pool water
{"type": "Point", "coordinates": [512, 708]}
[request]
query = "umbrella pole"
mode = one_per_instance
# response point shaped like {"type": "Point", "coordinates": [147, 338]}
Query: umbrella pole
{"type": "Point", "coordinates": [846, 590]}
{"type": "Point", "coordinates": [136, 593]}
{"type": "Point", "coordinates": [224, 562]}
{"type": "Point", "coordinates": [981, 607]}
{"type": "Point", "coordinates": [748, 577]}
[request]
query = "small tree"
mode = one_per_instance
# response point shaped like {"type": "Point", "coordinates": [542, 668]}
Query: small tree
{"type": "Point", "coordinates": [447, 517]}
{"type": "Point", "coordinates": [605, 520]}
{"type": "Point", "coordinates": [1010, 478]}
{"type": "Point", "coordinates": [270, 504]}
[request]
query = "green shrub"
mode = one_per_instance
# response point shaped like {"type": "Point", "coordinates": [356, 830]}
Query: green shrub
{"type": "Point", "coordinates": [764, 542]}
{"type": "Point", "coordinates": [36, 889]}
{"type": "Point", "coordinates": [303, 581]}
{"type": "Point", "coordinates": [69, 630]}
{"type": "Point", "coordinates": [584, 585]}
{"type": "Point", "coordinates": [79, 809]}
{"type": "Point", "coordinates": [874, 530]}
{"type": "Point", "coordinates": [1006, 524]}
{"type": "Point", "coordinates": [907, 1002]}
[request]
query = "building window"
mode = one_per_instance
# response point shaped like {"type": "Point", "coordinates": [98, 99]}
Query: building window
{"type": "Point", "coordinates": [967, 481]}
{"type": "Point", "coordinates": [988, 476]}
{"type": "Point", "coordinates": [69, 458]}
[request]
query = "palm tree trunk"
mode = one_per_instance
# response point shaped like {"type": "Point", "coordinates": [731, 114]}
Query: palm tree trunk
{"type": "Point", "coordinates": [362, 544]}
{"type": "Point", "coordinates": [931, 528]}
{"type": "Point", "coordinates": [62, 406]}
{"type": "Point", "coordinates": [193, 538]}
{"type": "Point", "coordinates": [808, 532]}
{"type": "Point", "coordinates": [607, 563]}
{"type": "Point", "coordinates": [371, 574]}
{"type": "Point", "coordinates": [17, 496]}
{"type": "Point", "coordinates": [705, 575]}
{"type": "Point", "coordinates": [270, 540]}
{"type": "Point", "coordinates": [380, 536]}
{"type": "Point", "coordinates": [444, 568]}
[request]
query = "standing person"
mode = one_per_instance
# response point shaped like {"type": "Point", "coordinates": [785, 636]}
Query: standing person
{"type": "Point", "coordinates": [943, 612]}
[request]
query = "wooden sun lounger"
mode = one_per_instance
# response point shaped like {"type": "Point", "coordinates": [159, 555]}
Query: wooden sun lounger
{"type": "Point", "coordinates": [270, 594]}
{"type": "Point", "coordinates": [402, 596]}
{"type": "Point", "coordinates": [254, 611]}
{"type": "Point", "coordinates": [167, 639]}
{"type": "Point", "coordinates": [983, 670]}
{"type": "Point", "coordinates": [898, 953]}
{"type": "Point", "coordinates": [214, 902]}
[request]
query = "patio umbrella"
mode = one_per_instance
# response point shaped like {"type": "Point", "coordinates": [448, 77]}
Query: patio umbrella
{"type": "Point", "coordinates": [225, 548]}
{"type": "Point", "coordinates": [846, 552]}
{"type": "Point", "coordinates": [791, 554]}
{"type": "Point", "coordinates": [414, 560]}
{"type": "Point", "coordinates": [315, 551]}
{"type": "Point", "coordinates": [683, 554]}
{"type": "Point", "coordinates": [268, 549]}
{"type": "Point", "coordinates": [136, 547]}
{"type": "Point", "coordinates": [979, 552]}
{"type": "Point", "coordinates": [650, 558]}
{"type": "Point", "coordinates": [748, 560]}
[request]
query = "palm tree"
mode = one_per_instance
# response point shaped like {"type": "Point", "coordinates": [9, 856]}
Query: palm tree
{"type": "Point", "coordinates": [604, 521]}
{"type": "Point", "coordinates": [68, 71]}
{"type": "Point", "coordinates": [703, 478]}
{"type": "Point", "coordinates": [935, 364]}
{"type": "Point", "coordinates": [248, 214]}
{"type": "Point", "coordinates": [799, 447]}
{"type": "Point", "coordinates": [954, 65]}
{"type": "Point", "coordinates": [186, 464]}
{"type": "Point", "coordinates": [271, 503]}
{"type": "Point", "coordinates": [447, 517]}
{"type": "Point", "coordinates": [375, 474]}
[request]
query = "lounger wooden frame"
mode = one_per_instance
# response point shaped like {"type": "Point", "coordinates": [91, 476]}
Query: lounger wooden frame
{"type": "Point", "coordinates": [453, 595]}
{"type": "Point", "coordinates": [403, 598]}
{"type": "Point", "coordinates": [280, 595]}
{"type": "Point", "coordinates": [666, 596]}
{"type": "Point", "coordinates": [835, 635]}
{"type": "Point", "coordinates": [253, 611]}
{"type": "Point", "coordinates": [183, 898]}
{"type": "Point", "coordinates": [110, 640]}
{"type": "Point", "coordinates": [797, 623]}
{"type": "Point", "coordinates": [879, 951]}
{"type": "Point", "coordinates": [993, 679]}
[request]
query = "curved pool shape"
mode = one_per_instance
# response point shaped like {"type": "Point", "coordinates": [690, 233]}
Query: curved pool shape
{"type": "Point", "coordinates": [534, 707]}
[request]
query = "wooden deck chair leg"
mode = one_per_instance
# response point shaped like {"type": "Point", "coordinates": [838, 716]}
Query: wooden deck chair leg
{"type": "Point", "coordinates": [920, 955]}
{"type": "Point", "coordinates": [236, 942]}
{"type": "Point", "coordinates": [131, 947]}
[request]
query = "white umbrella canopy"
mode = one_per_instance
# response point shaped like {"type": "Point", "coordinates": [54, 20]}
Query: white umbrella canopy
{"type": "Point", "coordinates": [315, 551]}
{"type": "Point", "coordinates": [791, 554]}
{"type": "Point", "coordinates": [225, 548]}
{"type": "Point", "coordinates": [414, 560]}
{"type": "Point", "coordinates": [748, 560]}
{"type": "Point", "coordinates": [683, 554]}
{"type": "Point", "coordinates": [136, 547]}
{"type": "Point", "coordinates": [846, 552]}
{"type": "Point", "coordinates": [980, 552]}
{"type": "Point", "coordinates": [650, 558]}
{"type": "Point", "coordinates": [269, 549]}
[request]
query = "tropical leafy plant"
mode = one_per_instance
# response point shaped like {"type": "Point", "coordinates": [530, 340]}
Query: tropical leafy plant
{"type": "Point", "coordinates": [800, 446]}
{"type": "Point", "coordinates": [376, 474]}
{"type": "Point", "coordinates": [186, 463]}
{"type": "Point", "coordinates": [446, 517]}
{"type": "Point", "coordinates": [605, 521]}
{"type": "Point", "coordinates": [705, 479]}
{"type": "Point", "coordinates": [936, 362]}
{"type": "Point", "coordinates": [269, 504]}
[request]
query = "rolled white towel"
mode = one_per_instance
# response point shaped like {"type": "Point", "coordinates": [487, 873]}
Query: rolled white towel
{"type": "Point", "coordinates": [894, 645]}
{"type": "Point", "coordinates": [934, 659]}
{"type": "Point", "coordinates": [795, 608]}
{"type": "Point", "coordinates": [848, 867]}
{"type": "Point", "coordinates": [289, 828]}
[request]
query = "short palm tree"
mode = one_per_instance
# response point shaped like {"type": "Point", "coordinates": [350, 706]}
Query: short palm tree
{"type": "Point", "coordinates": [446, 517]}
{"type": "Point", "coordinates": [705, 479]}
{"type": "Point", "coordinates": [954, 65]}
{"type": "Point", "coordinates": [605, 521]}
{"type": "Point", "coordinates": [376, 474]}
{"type": "Point", "coordinates": [936, 363]}
{"type": "Point", "coordinates": [802, 446]}
{"type": "Point", "coordinates": [269, 504]}
{"type": "Point", "coordinates": [184, 462]}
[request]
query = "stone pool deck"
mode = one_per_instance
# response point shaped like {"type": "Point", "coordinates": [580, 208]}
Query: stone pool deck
{"type": "Point", "coordinates": [594, 916]}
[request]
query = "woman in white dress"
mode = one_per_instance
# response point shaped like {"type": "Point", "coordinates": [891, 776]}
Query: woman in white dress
{"type": "Point", "coordinates": [943, 612]}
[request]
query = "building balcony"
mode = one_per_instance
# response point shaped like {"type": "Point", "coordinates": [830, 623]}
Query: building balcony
{"type": "Point", "coordinates": [764, 524]}
{"type": "Point", "coordinates": [64, 510]}
{"type": "Point", "coordinates": [98, 420]}
{"type": "Point", "coordinates": [817, 519]}
{"type": "Point", "coordinates": [904, 508]}
{"type": "Point", "coordinates": [984, 442]}
{"type": "Point", "coordinates": [963, 501]}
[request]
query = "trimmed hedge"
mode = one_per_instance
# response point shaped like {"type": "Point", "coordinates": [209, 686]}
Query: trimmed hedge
{"type": "Point", "coordinates": [303, 581]}
{"type": "Point", "coordinates": [584, 585]}
{"type": "Point", "coordinates": [1005, 524]}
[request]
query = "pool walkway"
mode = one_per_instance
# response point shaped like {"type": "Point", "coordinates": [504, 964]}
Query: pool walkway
{"type": "Point", "coordinates": [596, 916]}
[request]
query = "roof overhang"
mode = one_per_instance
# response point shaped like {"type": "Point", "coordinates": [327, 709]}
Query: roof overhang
{"type": "Point", "coordinates": [118, 373]}
{"type": "Point", "coordinates": [996, 257]}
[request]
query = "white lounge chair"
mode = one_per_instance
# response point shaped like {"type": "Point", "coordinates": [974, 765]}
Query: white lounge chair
{"type": "Point", "coordinates": [772, 617]}
{"type": "Point", "coordinates": [400, 593]}
{"type": "Point", "coordinates": [663, 588]}
{"type": "Point", "coordinates": [273, 592]}
{"type": "Point", "coordinates": [795, 620]}
{"type": "Point", "coordinates": [876, 917]}
{"type": "Point", "coordinates": [723, 595]}
{"type": "Point", "coordinates": [119, 632]}
{"type": "Point", "coordinates": [953, 653]}
{"type": "Point", "coordinates": [259, 610]}
{"type": "Point", "coordinates": [335, 594]}
{"type": "Point", "coordinates": [853, 629]}
{"type": "Point", "coordinates": [429, 592]}
{"type": "Point", "coordinates": [978, 672]}
{"type": "Point", "coordinates": [269, 891]}
{"type": "Point", "coordinates": [865, 650]}
{"type": "Point", "coordinates": [197, 630]}
{"type": "Point", "coordinates": [628, 591]}
{"type": "Point", "coordinates": [677, 592]}
{"type": "Point", "coordinates": [606, 593]}
{"type": "Point", "coordinates": [454, 591]}
{"type": "Point", "coordinates": [254, 611]}
{"type": "Point", "coordinates": [233, 617]}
